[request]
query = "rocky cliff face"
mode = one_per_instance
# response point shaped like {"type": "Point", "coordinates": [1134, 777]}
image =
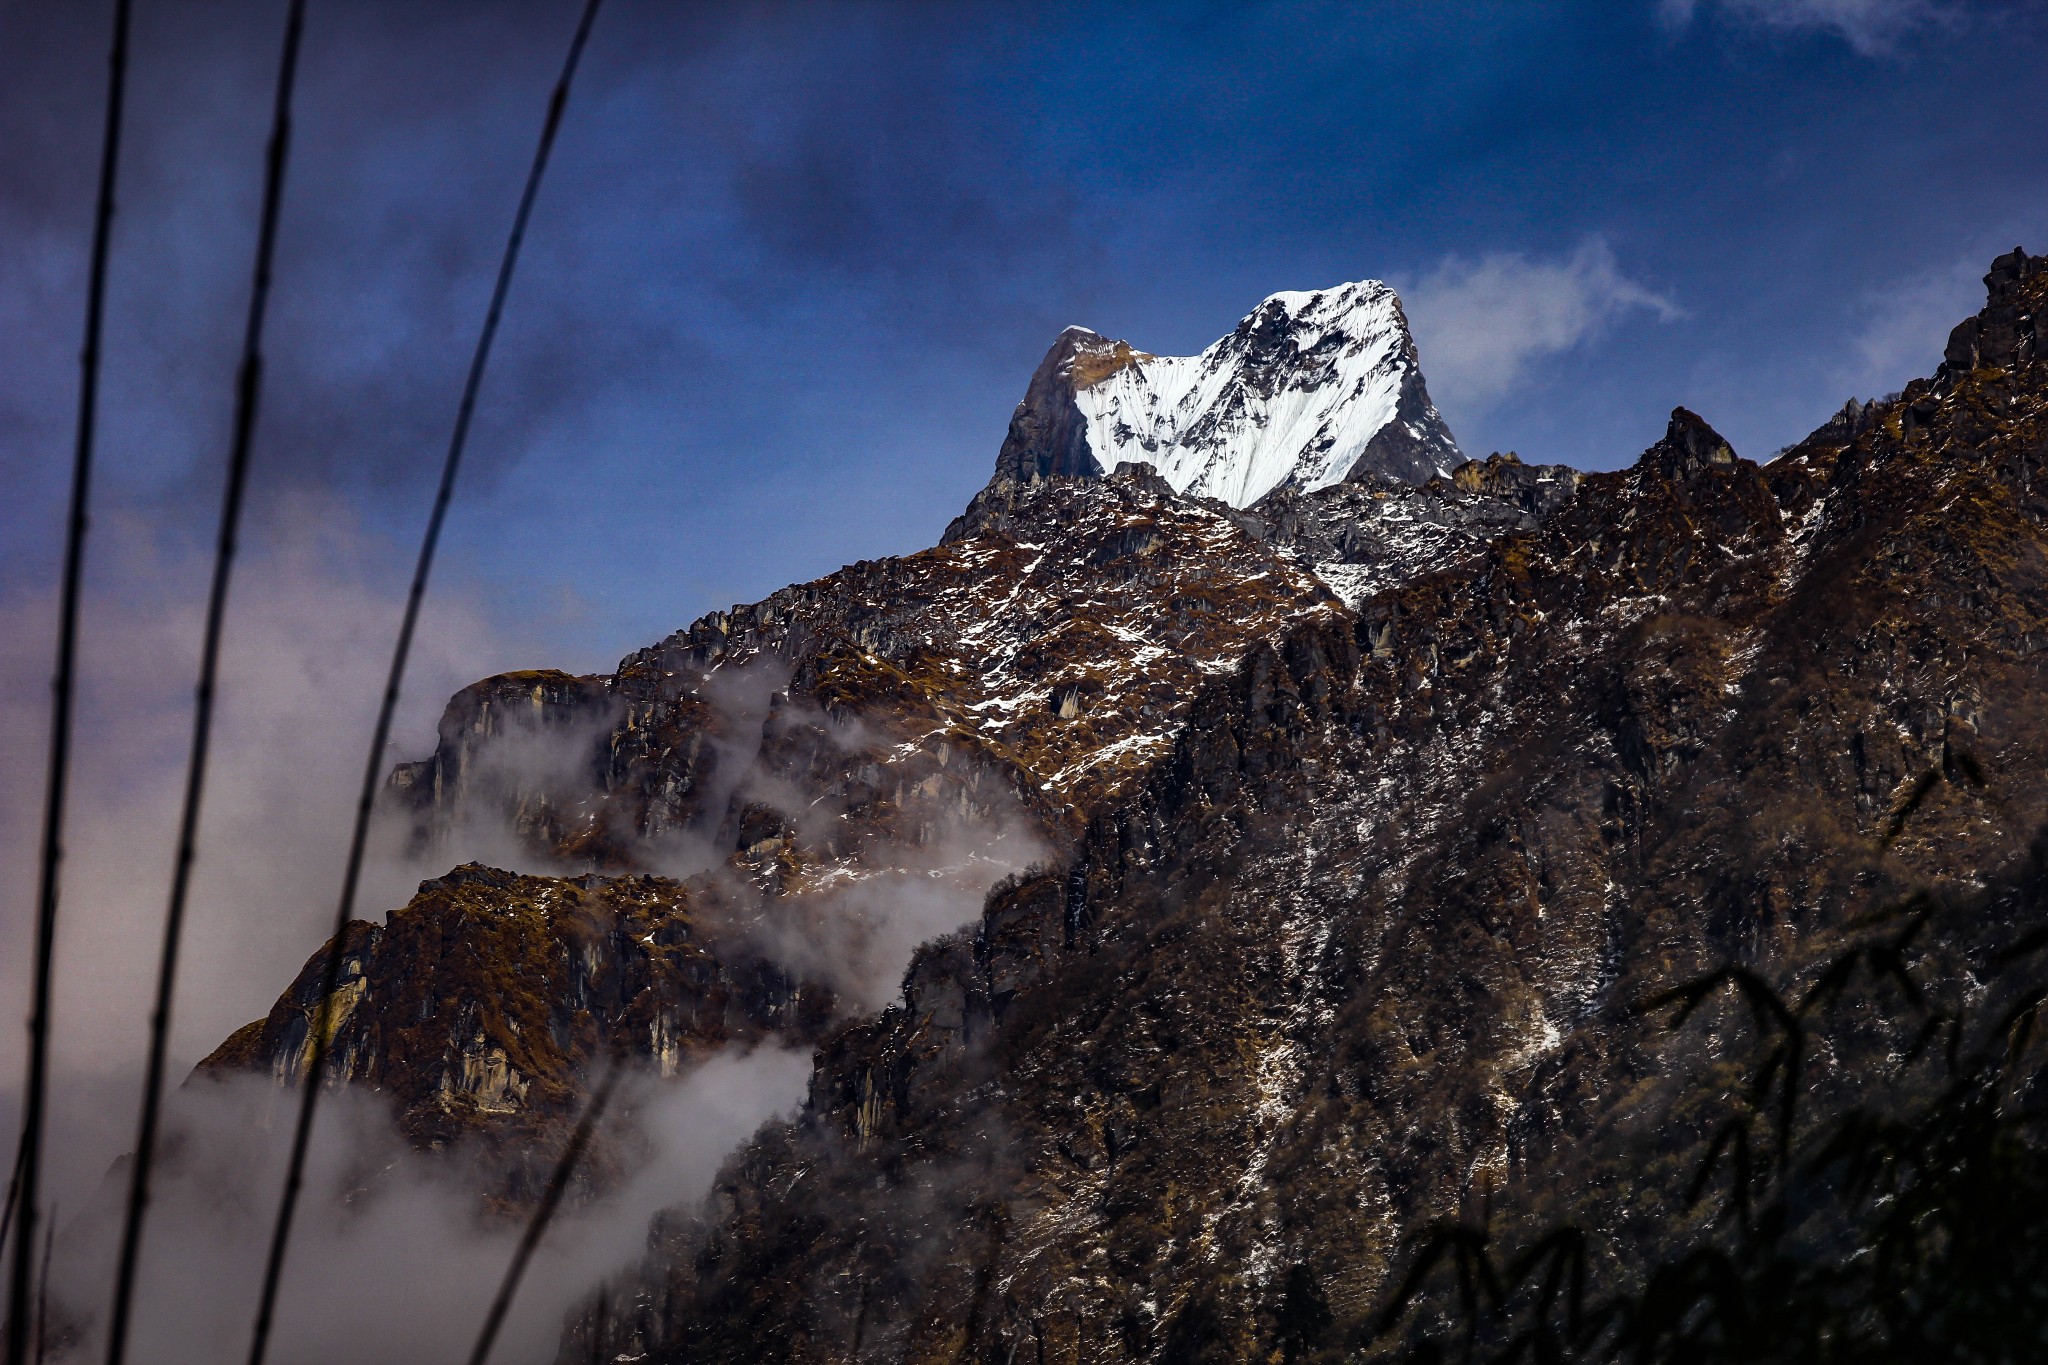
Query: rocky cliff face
{"type": "Point", "coordinates": [1372, 532]}
{"type": "Point", "coordinates": [1360, 819]}
{"type": "Point", "coordinates": [482, 1008]}
{"type": "Point", "coordinates": [787, 797]}
{"type": "Point", "coordinates": [1309, 390]}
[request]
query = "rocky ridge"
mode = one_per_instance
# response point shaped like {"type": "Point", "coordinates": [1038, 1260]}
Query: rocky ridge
{"type": "Point", "coordinates": [760, 791]}
{"type": "Point", "coordinates": [1363, 953]}
{"type": "Point", "coordinates": [1371, 532]}
{"type": "Point", "coordinates": [1360, 818]}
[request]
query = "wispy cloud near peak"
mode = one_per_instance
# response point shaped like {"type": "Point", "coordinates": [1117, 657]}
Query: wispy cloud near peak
{"type": "Point", "coordinates": [1905, 323]}
{"type": "Point", "coordinates": [1481, 323]}
{"type": "Point", "coordinates": [1872, 28]}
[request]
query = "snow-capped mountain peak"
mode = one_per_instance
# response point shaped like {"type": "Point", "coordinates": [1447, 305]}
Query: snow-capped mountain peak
{"type": "Point", "coordinates": [1309, 389]}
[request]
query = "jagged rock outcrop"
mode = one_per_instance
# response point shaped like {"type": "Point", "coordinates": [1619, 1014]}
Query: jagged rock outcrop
{"type": "Point", "coordinates": [2006, 333]}
{"type": "Point", "coordinates": [516, 744]}
{"type": "Point", "coordinates": [1371, 533]}
{"type": "Point", "coordinates": [484, 1006]}
{"type": "Point", "coordinates": [1309, 390]}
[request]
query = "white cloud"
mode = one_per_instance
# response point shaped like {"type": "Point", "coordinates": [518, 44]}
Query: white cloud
{"type": "Point", "coordinates": [391, 1260]}
{"type": "Point", "coordinates": [1906, 326]}
{"type": "Point", "coordinates": [1872, 28]}
{"type": "Point", "coordinates": [1480, 324]}
{"type": "Point", "coordinates": [314, 606]}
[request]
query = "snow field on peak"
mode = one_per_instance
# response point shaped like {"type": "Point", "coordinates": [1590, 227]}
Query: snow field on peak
{"type": "Point", "coordinates": [1206, 423]}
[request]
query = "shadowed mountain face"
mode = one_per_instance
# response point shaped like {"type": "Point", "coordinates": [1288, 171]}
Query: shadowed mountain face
{"type": "Point", "coordinates": [1311, 857]}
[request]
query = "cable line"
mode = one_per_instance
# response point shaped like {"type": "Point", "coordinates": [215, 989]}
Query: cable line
{"type": "Point", "coordinates": [63, 686]}
{"type": "Point", "coordinates": [13, 1189]}
{"type": "Point", "coordinates": [322, 1024]}
{"type": "Point", "coordinates": [558, 1184]}
{"type": "Point", "coordinates": [248, 389]}
{"type": "Point", "coordinates": [43, 1288]}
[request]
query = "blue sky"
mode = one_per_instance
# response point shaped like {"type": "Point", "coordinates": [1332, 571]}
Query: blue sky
{"type": "Point", "coordinates": [796, 262]}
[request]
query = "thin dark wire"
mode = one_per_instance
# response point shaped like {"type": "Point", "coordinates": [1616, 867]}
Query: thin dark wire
{"type": "Point", "coordinates": [248, 390]}
{"type": "Point", "coordinates": [13, 1189]}
{"type": "Point", "coordinates": [62, 687]}
{"type": "Point", "coordinates": [316, 1062]}
{"type": "Point", "coordinates": [558, 1184]}
{"type": "Point", "coordinates": [43, 1288]}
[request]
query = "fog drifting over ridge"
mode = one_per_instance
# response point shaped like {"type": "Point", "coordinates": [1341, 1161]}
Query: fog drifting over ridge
{"type": "Point", "coordinates": [383, 1226]}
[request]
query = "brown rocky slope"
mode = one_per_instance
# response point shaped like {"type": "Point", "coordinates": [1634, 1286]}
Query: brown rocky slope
{"type": "Point", "coordinates": [1363, 952]}
{"type": "Point", "coordinates": [724, 832]}
{"type": "Point", "coordinates": [1358, 824]}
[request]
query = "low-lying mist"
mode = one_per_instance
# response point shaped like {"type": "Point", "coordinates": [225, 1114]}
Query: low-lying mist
{"type": "Point", "coordinates": [395, 1259]}
{"type": "Point", "coordinates": [308, 638]}
{"type": "Point", "coordinates": [391, 1260]}
{"type": "Point", "coordinates": [873, 890]}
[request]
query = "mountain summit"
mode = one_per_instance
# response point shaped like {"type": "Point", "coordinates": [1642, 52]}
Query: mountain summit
{"type": "Point", "coordinates": [1309, 390]}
